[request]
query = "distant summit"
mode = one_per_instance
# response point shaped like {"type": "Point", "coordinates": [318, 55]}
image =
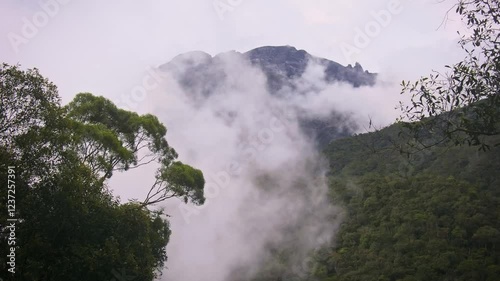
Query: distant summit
{"type": "Point", "coordinates": [285, 62]}
{"type": "Point", "coordinates": [200, 75]}
{"type": "Point", "coordinates": [281, 64]}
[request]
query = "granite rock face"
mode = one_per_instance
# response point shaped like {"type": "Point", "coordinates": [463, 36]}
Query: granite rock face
{"type": "Point", "coordinates": [283, 63]}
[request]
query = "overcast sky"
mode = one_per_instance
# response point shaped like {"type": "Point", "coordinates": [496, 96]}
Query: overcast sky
{"type": "Point", "coordinates": [105, 47]}
{"type": "Point", "coordinates": [109, 47]}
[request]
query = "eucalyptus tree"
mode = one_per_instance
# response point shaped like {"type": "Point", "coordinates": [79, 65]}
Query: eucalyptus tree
{"type": "Point", "coordinates": [69, 226]}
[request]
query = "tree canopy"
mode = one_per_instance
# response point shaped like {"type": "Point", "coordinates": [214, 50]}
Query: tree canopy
{"type": "Point", "coordinates": [463, 105]}
{"type": "Point", "coordinates": [69, 226]}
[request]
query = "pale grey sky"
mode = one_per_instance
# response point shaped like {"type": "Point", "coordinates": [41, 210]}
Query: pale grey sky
{"type": "Point", "coordinates": [109, 47]}
{"type": "Point", "coordinates": [105, 47]}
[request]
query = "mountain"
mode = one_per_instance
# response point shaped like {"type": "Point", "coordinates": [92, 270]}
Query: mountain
{"type": "Point", "coordinates": [200, 75]}
{"type": "Point", "coordinates": [280, 64]}
{"type": "Point", "coordinates": [283, 63]}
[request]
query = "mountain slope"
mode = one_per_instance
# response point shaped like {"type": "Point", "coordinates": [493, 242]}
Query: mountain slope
{"type": "Point", "coordinates": [432, 216]}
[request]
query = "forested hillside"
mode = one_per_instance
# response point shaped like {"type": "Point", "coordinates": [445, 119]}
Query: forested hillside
{"type": "Point", "coordinates": [427, 215]}
{"type": "Point", "coordinates": [422, 198]}
{"type": "Point", "coordinates": [431, 215]}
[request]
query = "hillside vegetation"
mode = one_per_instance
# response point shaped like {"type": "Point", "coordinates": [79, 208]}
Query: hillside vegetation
{"type": "Point", "coordinates": [428, 215]}
{"type": "Point", "coordinates": [431, 215]}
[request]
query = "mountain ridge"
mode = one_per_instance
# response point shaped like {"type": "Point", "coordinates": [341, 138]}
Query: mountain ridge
{"type": "Point", "coordinates": [200, 75]}
{"type": "Point", "coordinates": [279, 63]}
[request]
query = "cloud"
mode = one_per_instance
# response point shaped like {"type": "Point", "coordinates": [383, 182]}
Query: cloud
{"type": "Point", "coordinates": [264, 176]}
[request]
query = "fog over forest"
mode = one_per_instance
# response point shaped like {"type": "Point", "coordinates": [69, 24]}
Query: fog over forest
{"type": "Point", "coordinates": [235, 140]}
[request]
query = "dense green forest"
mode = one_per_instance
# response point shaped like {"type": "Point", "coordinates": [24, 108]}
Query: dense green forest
{"type": "Point", "coordinates": [427, 215]}
{"type": "Point", "coordinates": [432, 215]}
